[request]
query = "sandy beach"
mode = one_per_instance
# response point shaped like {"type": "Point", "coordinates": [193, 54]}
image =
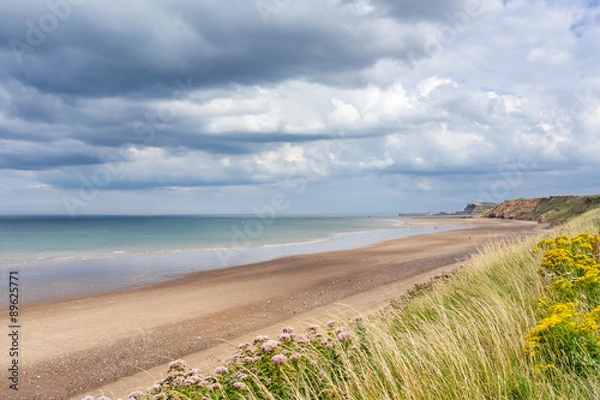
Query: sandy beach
{"type": "Point", "coordinates": [119, 342]}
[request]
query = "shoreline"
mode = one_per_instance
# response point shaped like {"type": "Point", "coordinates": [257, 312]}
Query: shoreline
{"type": "Point", "coordinates": [58, 281]}
{"type": "Point", "coordinates": [78, 345]}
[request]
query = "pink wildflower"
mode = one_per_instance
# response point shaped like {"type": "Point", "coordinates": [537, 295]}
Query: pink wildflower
{"type": "Point", "coordinates": [344, 336]}
{"type": "Point", "coordinates": [239, 386]}
{"type": "Point", "coordinates": [243, 346]}
{"type": "Point", "coordinates": [269, 345]}
{"type": "Point", "coordinates": [178, 381]}
{"type": "Point", "coordinates": [135, 396]}
{"type": "Point", "coordinates": [295, 357]}
{"type": "Point", "coordinates": [232, 359]}
{"type": "Point", "coordinates": [221, 370]}
{"type": "Point", "coordinates": [177, 365]}
{"type": "Point", "coordinates": [247, 360]}
{"type": "Point", "coordinates": [285, 337]}
{"type": "Point", "coordinates": [153, 389]}
{"type": "Point", "coordinates": [313, 363]}
{"type": "Point", "coordinates": [214, 386]}
{"type": "Point", "coordinates": [260, 339]}
{"type": "Point", "coordinates": [302, 339]}
{"type": "Point", "coordinates": [330, 323]}
{"type": "Point", "coordinates": [288, 329]}
{"type": "Point", "coordinates": [321, 374]}
{"type": "Point", "coordinates": [193, 380]}
{"type": "Point", "coordinates": [279, 359]}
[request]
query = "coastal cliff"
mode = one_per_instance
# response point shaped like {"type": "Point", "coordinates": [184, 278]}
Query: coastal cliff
{"type": "Point", "coordinates": [554, 209]}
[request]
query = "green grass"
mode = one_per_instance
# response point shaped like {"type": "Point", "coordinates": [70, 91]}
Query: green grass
{"type": "Point", "coordinates": [461, 338]}
{"type": "Point", "coordinates": [559, 209]}
{"type": "Point", "coordinates": [563, 208]}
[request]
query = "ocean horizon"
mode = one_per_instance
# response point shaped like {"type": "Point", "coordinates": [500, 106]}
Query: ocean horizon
{"type": "Point", "coordinates": [59, 257]}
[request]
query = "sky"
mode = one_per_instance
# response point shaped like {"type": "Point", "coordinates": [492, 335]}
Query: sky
{"type": "Point", "coordinates": [303, 106]}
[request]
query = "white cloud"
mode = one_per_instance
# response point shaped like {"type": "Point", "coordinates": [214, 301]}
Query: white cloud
{"type": "Point", "coordinates": [344, 115]}
{"type": "Point", "coordinates": [516, 80]}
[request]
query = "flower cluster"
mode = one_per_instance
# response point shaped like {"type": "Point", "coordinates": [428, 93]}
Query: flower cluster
{"type": "Point", "coordinates": [567, 334]}
{"type": "Point", "coordinates": [271, 364]}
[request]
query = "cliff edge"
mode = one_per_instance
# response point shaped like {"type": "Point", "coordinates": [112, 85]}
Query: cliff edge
{"type": "Point", "coordinates": [555, 209]}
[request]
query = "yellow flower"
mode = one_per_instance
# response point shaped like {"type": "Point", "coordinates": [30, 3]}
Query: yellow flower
{"type": "Point", "coordinates": [589, 324]}
{"type": "Point", "coordinates": [575, 263]}
{"type": "Point", "coordinates": [543, 367]}
{"type": "Point", "coordinates": [547, 244]}
{"type": "Point", "coordinates": [586, 247]}
{"type": "Point", "coordinates": [563, 285]}
{"type": "Point", "coordinates": [543, 303]}
{"type": "Point", "coordinates": [559, 314]}
{"type": "Point", "coordinates": [562, 241]}
{"type": "Point", "coordinates": [557, 260]}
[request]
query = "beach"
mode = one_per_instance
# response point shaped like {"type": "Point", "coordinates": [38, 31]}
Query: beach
{"type": "Point", "coordinates": [115, 343]}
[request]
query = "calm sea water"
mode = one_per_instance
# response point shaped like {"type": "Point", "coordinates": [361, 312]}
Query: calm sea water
{"type": "Point", "coordinates": [61, 257]}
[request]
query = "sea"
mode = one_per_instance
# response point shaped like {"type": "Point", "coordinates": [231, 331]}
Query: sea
{"type": "Point", "coordinates": [60, 258]}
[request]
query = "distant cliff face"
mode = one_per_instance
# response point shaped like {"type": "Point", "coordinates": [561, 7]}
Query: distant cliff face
{"type": "Point", "coordinates": [478, 208]}
{"type": "Point", "coordinates": [516, 209]}
{"type": "Point", "coordinates": [544, 209]}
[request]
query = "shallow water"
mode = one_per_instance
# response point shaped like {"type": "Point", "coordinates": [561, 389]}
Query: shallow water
{"type": "Point", "coordinates": [61, 258]}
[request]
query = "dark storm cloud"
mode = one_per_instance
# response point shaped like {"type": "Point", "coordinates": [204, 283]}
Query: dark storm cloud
{"type": "Point", "coordinates": [140, 51]}
{"type": "Point", "coordinates": [109, 50]}
{"type": "Point", "coordinates": [427, 10]}
{"type": "Point", "coordinates": [27, 157]}
{"type": "Point", "coordinates": [210, 93]}
{"type": "Point", "coordinates": [38, 162]}
{"type": "Point", "coordinates": [67, 183]}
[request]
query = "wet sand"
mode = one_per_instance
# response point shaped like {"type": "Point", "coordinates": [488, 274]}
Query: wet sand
{"type": "Point", "coordinates": [101, 344]}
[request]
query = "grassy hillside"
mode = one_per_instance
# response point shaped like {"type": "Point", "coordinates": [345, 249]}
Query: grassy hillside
{"type": "Point", "coordinates": [477, 208]}
{"type": "Point", "coordinates": [556, 209]}
{"type": "Point", "coordinates": [483, 333]}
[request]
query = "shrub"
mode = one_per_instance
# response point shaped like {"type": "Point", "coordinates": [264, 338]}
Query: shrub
{"type": "Point", "coordinates": [567, 335]}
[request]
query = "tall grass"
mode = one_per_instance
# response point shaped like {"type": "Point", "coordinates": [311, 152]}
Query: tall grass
{"type": "Point", "coordinates": [462, 338]}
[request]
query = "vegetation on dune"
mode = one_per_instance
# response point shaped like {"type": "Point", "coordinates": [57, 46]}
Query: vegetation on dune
{"type": "Point", "coordinates": [520, 321]}
{"type": "Point", "coordinates": [567, 335]}
{"type": "Point", "coordinates": [555, 209]}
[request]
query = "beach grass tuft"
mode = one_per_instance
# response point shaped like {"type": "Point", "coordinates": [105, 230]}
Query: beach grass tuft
{"type": "Point", "coordinates": [519, 321]}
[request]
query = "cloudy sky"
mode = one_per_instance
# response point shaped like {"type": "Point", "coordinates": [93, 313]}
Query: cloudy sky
{"type": "Point", "coordinates": [206, 106]}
